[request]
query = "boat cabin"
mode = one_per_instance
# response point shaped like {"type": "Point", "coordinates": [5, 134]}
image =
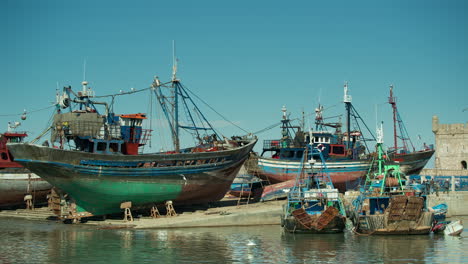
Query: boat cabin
{"type": "Point", "coordinates": [132, 133]}
{"type": "Point", "coordinates": [6, 160]}
{"type": "Point", "coordinates": [93, 133]}
{"type": "Point", "coordinates": [326, 142]}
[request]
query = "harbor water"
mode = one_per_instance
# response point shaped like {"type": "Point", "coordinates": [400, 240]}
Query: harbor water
{"type": "Point", "coordinates": [26, 241]}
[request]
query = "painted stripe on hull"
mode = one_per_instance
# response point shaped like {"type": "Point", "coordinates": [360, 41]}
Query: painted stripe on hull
{"type": "Point", "coordinates": [101, 189]}
{"type": "Point", "coordinates": [344, 175]}
{"type": "Point", "coordinates": [102, 193]}
{"type": "Point", "coordinates": [414, 162]}
{"type": "Point", "coordinates": [18, 176]}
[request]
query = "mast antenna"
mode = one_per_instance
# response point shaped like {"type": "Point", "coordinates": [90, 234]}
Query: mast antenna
{"type": "Point", "coordinates": [347, 101]}
{"type": "Point", "coordinates": [84, 70]}
{"type": "Point", "coordinates": [174, 62]}
{"type": "Point", "coordinates": [84, 83]}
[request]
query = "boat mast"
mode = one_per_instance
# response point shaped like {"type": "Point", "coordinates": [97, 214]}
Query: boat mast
{"type": "Point", "coordinates": [405, 139]}
{"type": "Point", "coordinates": [284, 126]}
{"type": "Point", "coordinates": [392, 102]}
{"type": "Point", "coordinates": [347, 101]}
{"type": "Point", "coordinates": [175, 107]}
{"type": "Point", "coordinates": [380, 158]}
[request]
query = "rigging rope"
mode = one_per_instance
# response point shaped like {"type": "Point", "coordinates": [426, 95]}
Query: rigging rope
{"type": "Point", "coordinates": [122, 93]}
{"type": "Point", "coordinates": [225, 119]}
{"type": "Point", "coordinates": [28, 112]}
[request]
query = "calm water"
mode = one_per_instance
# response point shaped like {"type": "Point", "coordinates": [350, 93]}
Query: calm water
{"type": "Point", "coordinates": [25, 241]}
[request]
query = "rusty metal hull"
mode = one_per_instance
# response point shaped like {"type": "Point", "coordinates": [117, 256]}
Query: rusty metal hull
{"type": "Point", "coordinates": [16, 183]}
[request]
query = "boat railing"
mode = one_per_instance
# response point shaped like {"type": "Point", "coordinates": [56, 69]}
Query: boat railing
{"type": "Point", "coordinates": [145, 136]}
{"type": "Point", "coordinates": [272, 144]}
{"type": "Point", "coordinates": [294, 196]}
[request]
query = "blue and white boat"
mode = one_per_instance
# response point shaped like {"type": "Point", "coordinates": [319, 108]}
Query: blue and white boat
{"type": "Point", "coordinates": [313, 205]}
{"type": "Point", "coordinates": [344, 152]}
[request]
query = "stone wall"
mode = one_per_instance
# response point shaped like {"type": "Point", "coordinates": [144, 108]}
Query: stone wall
{"type": "Point", "coordinates": [456, 202]}
{"type": "Point", "coordinates": [442, 172]}
{"type": "Point", "coordinates": [451, 145]}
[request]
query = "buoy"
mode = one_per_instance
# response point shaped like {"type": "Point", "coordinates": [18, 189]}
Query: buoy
{"type": "Point", "coordinates": [321, 147]}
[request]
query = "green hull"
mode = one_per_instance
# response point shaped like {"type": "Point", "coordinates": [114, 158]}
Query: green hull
{"type": "Point", "coordinates": [100, 183]}
{"type": "Point", "coordinates": [110, 194]}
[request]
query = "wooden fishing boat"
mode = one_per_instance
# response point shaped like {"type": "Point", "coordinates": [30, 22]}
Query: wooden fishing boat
{"type": "Point", "coordinates": [411, 161]}
{"type": "Point", "coordinates": [246, 185]}
{"type": "Point", "coordinates": [440, 211]}
{"type": "Point", "coordinates": [454, 228]}
{"type": "Point", "coordinates": [344, 153]}
{"type": "Point", "coordinates": [18, 185]}
{"type": "Point", "coordinates": [385, 206]}
{"type": "Point", "coordinates": [313, 204]}
{"type": "Point", "coordinates": [103, 166]}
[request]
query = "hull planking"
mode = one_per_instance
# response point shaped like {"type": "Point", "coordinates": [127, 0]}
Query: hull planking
{"type": "Point", "coordinates": [99, 183]}
{"type": "Point", "coordinates": [345, 175]}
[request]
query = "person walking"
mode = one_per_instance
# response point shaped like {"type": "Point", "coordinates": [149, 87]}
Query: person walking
{"type": "Point", "coordinates": [446, 186]}
{"type": "Point", "coordinates": [431, 186]}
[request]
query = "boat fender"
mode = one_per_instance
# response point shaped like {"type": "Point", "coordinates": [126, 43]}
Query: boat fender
{"type": "Point", "coordinates": [321, 147]}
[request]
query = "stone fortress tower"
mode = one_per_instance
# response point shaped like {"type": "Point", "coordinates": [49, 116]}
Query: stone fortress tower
{"type": "Point", "coordinates": [451, 157]}
{"type": "Point", "coordinates": [451, 147]}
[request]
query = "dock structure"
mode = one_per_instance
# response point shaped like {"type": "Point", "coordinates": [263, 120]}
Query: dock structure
{"type": "Point", "coordinates": [225, 214]}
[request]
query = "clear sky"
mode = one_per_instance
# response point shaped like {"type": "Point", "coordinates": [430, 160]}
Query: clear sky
{"type": "Point", "coordinates": [245, 58]}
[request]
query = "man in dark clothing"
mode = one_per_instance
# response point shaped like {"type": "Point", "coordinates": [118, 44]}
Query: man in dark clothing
{"type": "Point", "coordinates": [446, 186]}
{"type": "Point", "coordinates": [425, 186]}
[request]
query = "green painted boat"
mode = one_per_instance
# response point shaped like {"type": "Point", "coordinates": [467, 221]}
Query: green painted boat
{"type": "Point", "coordinates": [104, 167]}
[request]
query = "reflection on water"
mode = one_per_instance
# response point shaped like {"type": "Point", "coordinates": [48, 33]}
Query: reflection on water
{"type": "Point", "coordinates": [50, 242]}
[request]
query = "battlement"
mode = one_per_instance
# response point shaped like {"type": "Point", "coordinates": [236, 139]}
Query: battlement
{"type": "Point", "coordinates": [441, 129]}
{"type": "Point", "coordinates": [451, 146]}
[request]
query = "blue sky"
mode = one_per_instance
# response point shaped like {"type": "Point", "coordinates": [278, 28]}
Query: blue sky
{"type": "Point", "coordinates": [246, 58]}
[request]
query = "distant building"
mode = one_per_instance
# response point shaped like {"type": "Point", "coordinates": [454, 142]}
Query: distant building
{"type": "Point", "coordinates": [451, 154]}
{"type": "Point", "coordinates": [451, 145]}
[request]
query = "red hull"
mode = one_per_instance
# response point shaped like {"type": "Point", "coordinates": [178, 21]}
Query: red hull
{"type": "Point", "coordinates": [343, 181]}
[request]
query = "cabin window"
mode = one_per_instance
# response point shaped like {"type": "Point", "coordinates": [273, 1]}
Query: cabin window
{"type": "Point", "coordinates": [338, 150]}
{"type": "Point", "coordinates": [463, 163]}
{"type": "Point", "coordinates": [316, 139]}
{"type": "Point", "coordinates": [4, 156]}
{"type": "Point", "coordinates": [101, 146]}
{"type": "Point", "coordinates": [288, 154]}
{"type": "Point", "coordinates": [114, 147]}
{"type": "Point", "coordinates": [15, 140]}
